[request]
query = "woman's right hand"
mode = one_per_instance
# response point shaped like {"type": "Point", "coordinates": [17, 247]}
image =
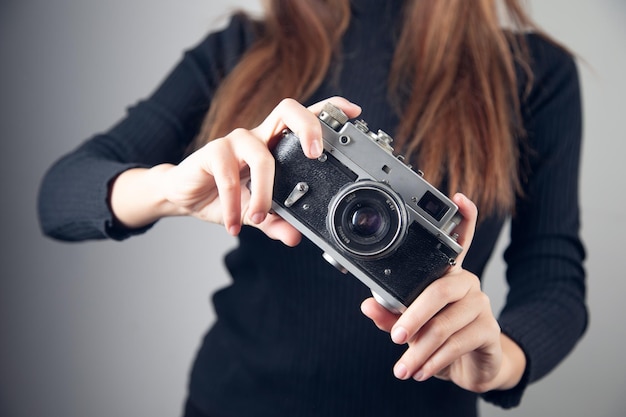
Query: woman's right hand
{"type": "Point", "coordinates": [210, 184]}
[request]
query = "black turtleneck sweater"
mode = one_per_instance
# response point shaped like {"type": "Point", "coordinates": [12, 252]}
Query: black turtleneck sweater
{"type": "Point", "coordinates": [290, 339]}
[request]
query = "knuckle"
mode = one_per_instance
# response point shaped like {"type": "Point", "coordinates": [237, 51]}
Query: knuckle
{"type": "Point", "coordinates": [439, 331]}
{"type": "Point", "coordinates": [286, 102]}
{"type": "Point", "coordinates": [216, 143]}
{"type": "Point", "coordinates": [474, 280]}
{"type": "Point", "coordinates": [442, 289]}
{"type": "Point", "coordinates": [262, 160]}
{"type": "Point", "coordinates": [440, 327]}
{"type": "Point", "coordinates": [455, 347]}
{"type": "Point", "coordinates": [484, 300]}
{"type": "Point", "coordinates": [217, 152]}
{"type": "Point", "coordinates": [494, 326]}
{"type": "Point", "coordinates": [239, 131]}
{"type": "Point", "coordinates": [228, 183]}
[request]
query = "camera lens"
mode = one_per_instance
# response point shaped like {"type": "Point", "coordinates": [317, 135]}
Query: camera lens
{"type": "Point", "coordinates": [367, 219]}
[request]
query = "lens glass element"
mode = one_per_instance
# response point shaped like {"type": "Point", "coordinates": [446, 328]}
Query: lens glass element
{"type": "Point", "coordinates": [367, 219]}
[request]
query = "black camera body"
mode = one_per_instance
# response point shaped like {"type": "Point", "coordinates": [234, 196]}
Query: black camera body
{"type": "Point", "coordinates": [371, 214]}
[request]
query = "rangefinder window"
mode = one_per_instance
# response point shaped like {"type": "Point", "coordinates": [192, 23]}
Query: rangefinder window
{"type": "Point", "coordinates": [433, 206]}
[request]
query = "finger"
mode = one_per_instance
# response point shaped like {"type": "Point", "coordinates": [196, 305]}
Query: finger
{"type": "Point", "coordinates": [467, 340]}
{"type": "Point", "coordinates": [382, 318]}
{"type": "Point", "coordinates": [446, 290]}
{"type": "Point", "coordinates": [253, 153]}
{"type": "Point", "coordinates": [224, 166]}
{"type": "Point", "coordinates": [294, 116]}
{"type": "Point", "coordinates": [303, 122]}
{"type": "Point", "coordinates": [227, 157]}
{"type": "Point", "coordinates": [350, 109]}
{"type": "Point", "coordinates": [466, 229]}
{"type": "Point", "coordinates": [423, 366]}
{"type": "Point", "coordinates": [438, 332]}
{"type": "Point", "coordinates": [277, 228]}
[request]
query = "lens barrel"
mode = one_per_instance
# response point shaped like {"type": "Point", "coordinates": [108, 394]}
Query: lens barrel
{"type": "Point", "coordinates": [367, 219]}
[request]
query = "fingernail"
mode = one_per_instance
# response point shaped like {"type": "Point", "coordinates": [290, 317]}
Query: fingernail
{"type": "Point", "coordinates": [257, 218]}
{"type": "Point", "coordinates": [316, 149]}
{"type": "Point", "coordinates": [400, 371]}
{"type": "Point", "coordinates": [233, 230]}
{"type": "Point", "coordinates": [364, 309]}
{"type": "Point", "coordinates": [399, 335]}
{"type": "Point", "coordinates": [419, 376]}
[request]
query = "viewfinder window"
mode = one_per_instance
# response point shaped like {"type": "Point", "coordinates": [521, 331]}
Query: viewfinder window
{"type": "Point", "coordinates": [433, 206]}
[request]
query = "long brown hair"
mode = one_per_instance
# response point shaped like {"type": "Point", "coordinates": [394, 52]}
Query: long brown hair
{"type": "Point", "coordinates": [452, 78]}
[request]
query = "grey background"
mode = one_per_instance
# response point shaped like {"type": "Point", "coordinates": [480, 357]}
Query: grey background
{"type": "Point", "coordinates": [110, 329]}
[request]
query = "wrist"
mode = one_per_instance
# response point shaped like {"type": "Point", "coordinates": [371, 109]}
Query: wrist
{"type": "Point", "coordinates": [513, 364]}
{"type": "Point", "coordinates": [137, 199]}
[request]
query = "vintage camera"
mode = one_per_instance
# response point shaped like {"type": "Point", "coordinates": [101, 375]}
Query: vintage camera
{"type": "Point", "coordinates": [371, 214]}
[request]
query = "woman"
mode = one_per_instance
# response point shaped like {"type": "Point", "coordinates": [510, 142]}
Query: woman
{"type": "Point", "coordinates": [480, 110]}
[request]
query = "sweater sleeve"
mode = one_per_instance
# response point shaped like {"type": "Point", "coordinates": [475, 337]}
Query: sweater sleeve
{"type": "Point", "coordinates": [545, 310]}
{"type": "Point", "coordinates": [73, 196]}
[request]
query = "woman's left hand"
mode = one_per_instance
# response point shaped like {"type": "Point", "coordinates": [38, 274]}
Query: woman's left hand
{"type": "Point", "coordinates": [450, 329]}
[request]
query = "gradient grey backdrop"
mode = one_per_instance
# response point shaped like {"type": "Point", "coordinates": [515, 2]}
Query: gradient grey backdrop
{"type": "Point", "coordinates": [109, 329]}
